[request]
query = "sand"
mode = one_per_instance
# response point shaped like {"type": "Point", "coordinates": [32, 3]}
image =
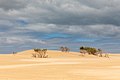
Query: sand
{"type": "Point", "coordinates": [59, 66]}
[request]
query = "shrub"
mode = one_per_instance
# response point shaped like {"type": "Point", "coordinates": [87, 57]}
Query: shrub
{"type": "Point", "coordinates": [34, 55]}
{"type": "Point", "coordinates": [89, 50]}
{"type": "Point", "coordinates": [64, 49]}
{"type": "Point", "coordinates": [41, 53]}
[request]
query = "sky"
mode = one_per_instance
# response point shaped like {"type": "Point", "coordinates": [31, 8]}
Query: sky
{"type": "Point", "coordinates": [28, 24]}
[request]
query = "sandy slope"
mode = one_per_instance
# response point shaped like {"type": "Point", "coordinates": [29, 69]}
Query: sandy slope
{"type": "Point", "coordinates": [59, 66]}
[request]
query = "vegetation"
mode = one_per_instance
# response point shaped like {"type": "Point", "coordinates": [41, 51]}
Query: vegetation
{"type": "Point", "coordinates": [14, 53]}
{"type": "Point", "coordinates": [64, 49]}
{"type": "Point", "coordinates": [40, 53]}
{"type": "Point", "coordinates": [100, 52]}
{"type": "Point", "coordinates": [106, 55]}
{"type": "Point", "coordinates": [83, 52]}
{"type": "Point", "coordinates": [91, 50]}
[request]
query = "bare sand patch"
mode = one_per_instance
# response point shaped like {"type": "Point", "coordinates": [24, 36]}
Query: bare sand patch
{"type": "Point", "coordinates": [59, 66]}
{"type": "Point", "coordinates": [47, 62]}
{"type": "Point", "coordinates": [102, 74]}
{"type": "Point", "coordinates": [114, 67]}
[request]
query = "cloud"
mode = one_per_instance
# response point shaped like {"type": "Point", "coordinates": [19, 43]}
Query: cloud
{"type": "Point", "coordinates": [67, 12]}
{"type": "Point", "coordinates": [12, 4]}
{"type": "Point", "coordinates": [19, 40]}
{"type": "Point", "coordinates": [99, 30]}
{"type": "Point", "coordinates": [32, 22]}
{"type": "Point", "coordinates": [64, 12]}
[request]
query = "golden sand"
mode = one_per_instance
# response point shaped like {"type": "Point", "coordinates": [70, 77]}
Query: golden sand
{"type": "Point", "coordinates": [59, 66]}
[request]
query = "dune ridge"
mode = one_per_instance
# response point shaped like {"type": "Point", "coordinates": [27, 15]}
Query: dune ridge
{"type": "Point", "coordinates": [58, 66]}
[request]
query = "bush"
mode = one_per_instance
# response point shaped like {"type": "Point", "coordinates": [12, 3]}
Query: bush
{"type": "Point", "coordinates": [40, 53]}
{"type": "Point", "coordinates": [34, 55]}
{"type": "Point", "coordinates": [89, 50]}
{"type": "Point", "coordinates": [64, 49]}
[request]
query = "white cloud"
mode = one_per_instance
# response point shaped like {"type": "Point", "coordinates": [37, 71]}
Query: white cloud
{"type": "Point", "coordinates": [40, 27]}
{"type": "Point", "coordinates": [19, 40]}
{"type": "Point", "coordinates": [20, 19]}
{"type": "Point", "coordinates": [102, 30]}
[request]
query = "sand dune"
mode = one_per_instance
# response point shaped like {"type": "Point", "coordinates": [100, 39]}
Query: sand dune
{"type": "Point", "coordinates": [59, 66]}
